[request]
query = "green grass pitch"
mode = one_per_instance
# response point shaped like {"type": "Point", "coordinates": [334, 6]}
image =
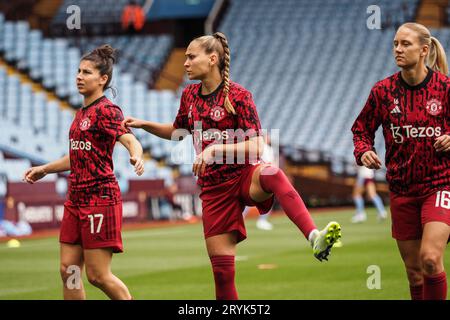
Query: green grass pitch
{"type": "Point", "coordinates": [171, 263]}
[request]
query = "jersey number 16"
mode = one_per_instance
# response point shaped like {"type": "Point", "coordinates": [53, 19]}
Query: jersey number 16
{"type": "Point", "coordinates": [443, 199]}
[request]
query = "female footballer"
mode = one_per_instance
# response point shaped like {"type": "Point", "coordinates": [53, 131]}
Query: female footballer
{"type": "Point", "coordinates": [413, 108]}
{"type": "Point", "coordinates": [92, 222]}
{"type": "Point", "coordinates": [221, 116]}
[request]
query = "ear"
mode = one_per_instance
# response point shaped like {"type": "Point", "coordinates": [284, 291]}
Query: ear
{"type": "Point", "coordinates": [424, 50]}
{"type": "Point", "coordinates": [103, 79]}
{"type": "Point", "coordinates": [213, 59]}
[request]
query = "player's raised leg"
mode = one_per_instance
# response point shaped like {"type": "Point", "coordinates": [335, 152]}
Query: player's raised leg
{"type": "Point", "coordinates": [269, 180]}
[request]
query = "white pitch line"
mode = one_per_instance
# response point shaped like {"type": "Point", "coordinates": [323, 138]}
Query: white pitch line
{"type": "Point", "coordinates": [4, 292]}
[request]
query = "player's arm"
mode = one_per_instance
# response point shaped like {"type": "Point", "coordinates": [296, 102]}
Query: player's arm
{"type": "Point", "coordinates": [162, 130]}
{"type": "Point", "coordinates": [363, 129]}
{"type": "Point", "coordinates": [442, 143]}
{"type": "Point", "coordinates": [35, 173]}
{"type": "Point", "coordinates": [134, 148]}
{"type": "Point", "coordinates": [248, 121]}
{"type": "Point", "coordinates": [251, 149]}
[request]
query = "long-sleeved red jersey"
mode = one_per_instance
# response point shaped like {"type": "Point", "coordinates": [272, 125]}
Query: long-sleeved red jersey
{"type": "Point", "coordinates": [412, 118]}
{"type": "Point", "coordinates": [93, 134]}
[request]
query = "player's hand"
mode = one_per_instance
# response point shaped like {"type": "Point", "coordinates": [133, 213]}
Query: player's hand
{"type": "Point", "coordinates": [370, 160]}
{"type": "Point", "coordinates": [34, 174]}
{"type": "Point", "coordinates": [138, 164]}
{"type": "Point", "coordinates": [130, 122]}
{"type": "Point", "coordinates": [204, 158]}
{"type": "Point", "coordinates": [442, 143]}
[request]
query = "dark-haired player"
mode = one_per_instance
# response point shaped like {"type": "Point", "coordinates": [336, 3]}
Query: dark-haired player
{"type": "Point", "coordinates": [91, 227]}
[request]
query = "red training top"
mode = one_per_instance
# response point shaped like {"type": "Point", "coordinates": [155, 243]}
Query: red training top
{"type": "Point", "coordinates": [93, 134]}
{"type": "Point", "coordinates": [412, 118]}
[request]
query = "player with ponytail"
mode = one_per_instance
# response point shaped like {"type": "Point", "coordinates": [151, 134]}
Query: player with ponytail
{"type": "Point", "coordinates": [413, 108]}
{"type": "Point", "coordinates": [224, 122]}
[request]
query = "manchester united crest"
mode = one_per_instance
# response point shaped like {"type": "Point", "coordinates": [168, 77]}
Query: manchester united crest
{"type": "Point", "coordinates": [434, 107]}
{"type": "Point", "coordinates": [85, 124]}
{"type": "Point", "coordinates": [217, 113]}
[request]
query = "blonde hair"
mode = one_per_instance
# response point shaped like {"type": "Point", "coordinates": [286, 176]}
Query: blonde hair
{"type": "Point", "coordinates": [219, 43]}
{"type": "Point", "coordinates": [436, 58]}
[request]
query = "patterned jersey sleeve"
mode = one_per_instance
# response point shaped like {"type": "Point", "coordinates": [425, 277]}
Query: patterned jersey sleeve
{"type": "Point", "coordinates": [181, 120]}
{"type": "Point", "coordinates": [111, 119]}
{"type": "Point", "coordinates": [365, 126]}
{"type": "Point", "coordinates": [247, 116]}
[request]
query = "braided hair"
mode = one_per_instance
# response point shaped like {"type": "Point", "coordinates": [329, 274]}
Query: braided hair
{"type": "Point", "coordinates": [218, 43]}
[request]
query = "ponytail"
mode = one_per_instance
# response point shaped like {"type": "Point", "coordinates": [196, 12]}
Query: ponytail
{"type": "Point", "coordinates": [437, 59]}
{"type": "Point", "coordinates": [225, 70]}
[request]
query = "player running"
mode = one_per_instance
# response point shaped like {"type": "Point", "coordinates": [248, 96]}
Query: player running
{"type": "Point", "coordinates": [413, 108]}
{"type": "Point", "coordinates": [91, 227]}
{"type": "Point", "coordinates": [223, 120]}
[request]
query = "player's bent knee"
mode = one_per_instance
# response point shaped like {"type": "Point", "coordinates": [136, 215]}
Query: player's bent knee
{"type": "Point", "coordinates": [96, 281]}
{"type": "Point", "coordinates": [415, 276]}
{"type": "Point", "coordinates": [96, 278]}
{"type": "Point", "coordinates": [65, 270]}
{"type": "Point", "coordinates": [430, 262]}
{"type": "Point", "coordinates": [270, 170]}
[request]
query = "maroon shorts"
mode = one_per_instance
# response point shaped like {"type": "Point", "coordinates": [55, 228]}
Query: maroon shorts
{"type": "Point", "coordinates": [93, 227]}
{"type": "Point", "coordinates": [224, 203]}
{"type": "Point", "coordinates": [368, 180]}
{"type": "Point", "coordinates": [410, 214]}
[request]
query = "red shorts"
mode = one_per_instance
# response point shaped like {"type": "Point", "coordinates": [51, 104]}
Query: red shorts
{"type": "Point", "coordinates": [93, 227]}
{"type": "Point", "coordinates": [224, 203]}
{"type": "Point", "coordinates": [368, 180]}
{"type": "Point", "coordinates": [410, 214]}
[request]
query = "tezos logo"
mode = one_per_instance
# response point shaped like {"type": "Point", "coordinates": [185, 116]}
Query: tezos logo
{"type": "Point", "coordinates": [80, 145]}
{"type": "Point", "coordinates": [413, 132]}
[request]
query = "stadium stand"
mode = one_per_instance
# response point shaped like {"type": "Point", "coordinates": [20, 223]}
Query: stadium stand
{"type": "Point", "coordinates": [95, 11]}
{"type": "Point", "coordinates": [32, 120]}
{"type": "Point", "coordinates": [142, 56]}
{"type": "Point", "coordinates": [316, 76]}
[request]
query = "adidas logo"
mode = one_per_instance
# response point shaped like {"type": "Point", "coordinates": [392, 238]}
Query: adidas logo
{"type": "Point", "coordinates": [396, 110]}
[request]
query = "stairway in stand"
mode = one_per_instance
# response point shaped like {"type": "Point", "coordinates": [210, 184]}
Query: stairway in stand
{"type": "Point", "coordinates": [432, 13]}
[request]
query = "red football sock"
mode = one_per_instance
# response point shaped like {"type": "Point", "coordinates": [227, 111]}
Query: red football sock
{"type": "Point", "coordinates": [273, 180]}
{"type": "Point", "coordinates": [435, 287]}
{"type": "Point", "coordinates": [223, 269]}
{"type": "Point", "coordinates": [416, 292]}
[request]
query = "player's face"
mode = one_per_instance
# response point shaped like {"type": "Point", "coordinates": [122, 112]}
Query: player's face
{"type": "Point", "coordinates": [198, 62]}
{"type": "Point", "coordinates": [89, 79]}
{"type": "Point", "coordinates": [407, 48]}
